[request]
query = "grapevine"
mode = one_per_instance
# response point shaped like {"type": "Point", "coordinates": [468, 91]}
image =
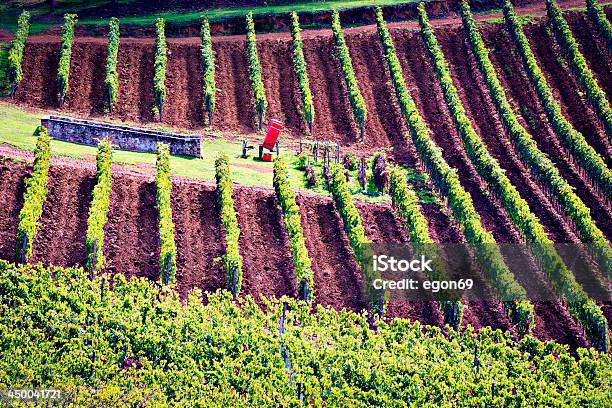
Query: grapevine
{"type": "Point", "coordinates": [167, 253]}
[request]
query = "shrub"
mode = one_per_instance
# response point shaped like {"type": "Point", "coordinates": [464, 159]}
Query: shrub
{"type": "Point", "coordinates": [380, 172]}
{"type": "Point", "coordinates": [167, 253]}
{"type": "Point", "coordinates": [208, 62]}
{"type": "Point", "coordinates": [161, 58]}
{"type": "Point", "coordinates": [596, 11]}
{"type": "Point", "coordinates": [15, 56]}
{"type": "Point", "coordinates": [299, 64]}
{"type": "Point", "coordinates": [293, 225]}
{"type": "Point", "coordinates": [111, 82]}
{"type": "Point", "coordinates": [259, 92]}
{"type": "Point", "coordinates": [232, 259]}
{"type": "Point", "coordinates": [63, 68]}
{"type": "Point", "coordinates": [35, 196]}
{"type": "Point", "coordinates": [360, 111]}
{"type": "Point", "coordinates": [350, 162]}
{"type": "Point", "coordinates": [98, 209]}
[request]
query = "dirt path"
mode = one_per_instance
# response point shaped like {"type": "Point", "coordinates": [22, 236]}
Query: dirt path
{"type": "Point", "coordinates": [264, 245]}
{"type": "Point", "coordinates": [12, 187]}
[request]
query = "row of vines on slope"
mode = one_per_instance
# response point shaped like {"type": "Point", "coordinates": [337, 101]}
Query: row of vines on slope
{"type": "Point", "coordinates": [15, 56]}
{"type": "Point", "coordinates": [232, 258]}
{"type": "Point", "coordinates": [98, 209]}
{"type": "Point", "coordinates": [519, 310]}
{"type": "Point", "coordinates": [35, 196]}
{"type": "Point", "coordinates": [161, 59]}
{"type": "Point", "coordinates": [516, 207]}
{"type": "Point", "coordinates": [299, 64]}
{"type": "Point", "coordinates": [406, 202]}
{"type": "Point", "coordinates": [208, 62]}
{"type": "Point", "coordinates": [596, 11]}
{"type": "Point", "coordinates": [542, 167]}
{"type": "Point", "coordinates": [358, 104]}
{"type": "Point", "coordinates": [63, 68]}
{"type": "Point", "coordinates": [293, 225]}
{"type": "Point", "coordinates": [259, 92]}
{"type": "Point", "coordinates": [111, 81]}
{"type": "Point", "coordinates": [167, 253]}
{"type": "Point", "coordinates": [573, 140]}
{"type": "Point", "coordinates": [568, 43]}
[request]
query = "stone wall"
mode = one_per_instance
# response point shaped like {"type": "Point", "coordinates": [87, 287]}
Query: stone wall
{"type": "Point", "coordinates": [122, 137]}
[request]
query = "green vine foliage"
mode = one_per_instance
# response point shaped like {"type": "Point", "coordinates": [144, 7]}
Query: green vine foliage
{"type": "Point", "coordinates": [161, 59]}
{"type": "Point", "coordinates": [167, 253]}
{"type": "Point", "coordinates": [232, 259]}
{"type": "Point", "coordinates": [445, 178]}
{"type": "Point", "coordinates": [597, 14]}
{"type": "Point", "coordinates": [407, 205]}
{"type": "Point", "coordinates": [573, 140]}
{"type": "Point", "coordinates": [140, 345]}
{"type": "Point", "coordinates": [568, 43]}
{"type": "Point", "coordinates": [583, 308]}
{"type": "Point", "coordinates": [208, 62]}
{"type": "Point", "coordinates": [111, 81]}
{"type": "Point", "coordinates": [293, 225]}
{"type": "Point", "coordinates": [360, 111]}
{"type": "Point", "coordinates": [259, 92]}
{"type": "Point", "coordinates": [63, 68]}
{"type": "Point", "coordinates": [299, 64]}
{"type": "Point", "coordinates": [35, 195]}
{"type": "Point", "coordinates": [539, 163]}
{"type": "Point", "coordinates": [15, 55]}
{"type": "Point", "coordinates": [98, 209]}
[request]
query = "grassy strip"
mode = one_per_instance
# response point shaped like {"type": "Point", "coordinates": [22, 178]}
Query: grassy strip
{"type": "Point", "coordinates": [519, 310]}
{"type": "Point", "coordinates": [161, 59]}
{"type": "Point", "coordinates": [98, 209]}
{"type": "Point", "coordinates": [360, 111]}
{"type": "Point", "coordinates": [15, 56]}
{"type": "Point", "coordinates": [63, 68]}
{"type": "Point", "coordinates": [167, 253]}
{"type": "Point", "coordinates": [568, 43]}
{"type": "Point", "coordinates": [293, 225]}
{"type": "Point", "coordinates": [573, 140]}
{"type": "Point", "coordinates": [232, 259]}
{"type": "Point", "coordinates": [259, 92]}
{"type": "Point", "coordinates": [543, 168]}
{"type": "Point", "coordinates": [584, 309]}
{"type": "Point", "coordinates": [34, 197]}
{"type": "Point", "coordinates": [406, 202]}
{"type": "Point", "coordinates": [208, 62]}
{"type": "Point", "coordinates": [597, 14]}
{"type": "Point", "coordinates": [111, 81]}
{"type": "Point", "coordinates": [299, 64]}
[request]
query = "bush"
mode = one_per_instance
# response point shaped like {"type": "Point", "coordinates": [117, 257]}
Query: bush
{"type": "Point", "coordinates": [15, 56]}
{"type": "Point", "coordinates": [111, 82]}
{"type": "Point", "coordinates": [208, 62]}
{"type": "Point", "coordinates": [98, 209]}
{"type": "Point", "coordinates": [360, 111]}
{"type": "Point", "coordinates": [350, 162]}
{"type": "Point", "coordinates": [299, 64]}
{"type": "Point", "coordinates": [259, 92]}
{"type": "Point", "coordinates": [596, 11]}
{"type": "Point", "coordinates": [380, 173]}
{"type": "Point", "coordinates": [293, 225]}
{"type": "Point", "coordinates": [232, 259]}
{"type": "Point", "coordinates": [63, 68]}
{"type": "Point", "coordinates": [35, 196]}
{"type": "Point", "coordinates": [161, 59]}
{"type": "Point", "coordinates": [167, 253]}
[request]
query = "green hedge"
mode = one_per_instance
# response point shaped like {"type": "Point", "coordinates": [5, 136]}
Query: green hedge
{"type": "Point", "coordinates": [596, 11]}
{"type": "Point", "coordinates": [232, 259]}
{"type": "Point", "coordinates": [568, 43]}
{"type": "Point", "coordinates": [539, 163]}
{"type": "Point", "coordinates": [293, 225]}
{"type": "Point", "coordinates": [111, 82]}
{"type": "Point", "coordinates": [259, 92]}
{"type": "Point", "coordinates": [573, 140]}
{"type": "Point", "coordinates": [584, 309]}
{"type": "Point", "coordinates": [519, 310]}
{"type": "Point", "coordinates": [360, 111]}
{"type": "Point", "coordinates": [63, 68]}
{"type": "Point", "coordinates": [167, 253]}
{"type": "Point", "coordinates": [98, 209]}
{"type": "Point", "coordinates": [161, 59]}
{"type": "Point", "coordinates": [406, 202]}
{"type": "Point", "coordinates": [35, 195]}
{"type": "Point", "coordinates": [208, 62]}
{"type": "Point", "coordinates": [299, 64]}
{"type": "Point", "coordinates": [15, 56]}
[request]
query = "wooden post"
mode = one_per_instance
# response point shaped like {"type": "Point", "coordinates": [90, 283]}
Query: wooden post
{"type": "Point", "coordinates": [315, 151]}
{"type": "Point", "coordinates": [167, 268]}
{"type": "Point", "coordinates": [337, 152]}
{"type": "Point", "coordinates": [362, 174]}
{"type": "Point", "coordinates": [24, 249]}
{"type": "Point", "coordinates": [94, 259]}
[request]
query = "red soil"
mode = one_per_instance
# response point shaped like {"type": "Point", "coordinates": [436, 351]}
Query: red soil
{"type": "Point", "coordinates": [39, 86]}
{"type": "Point", "coordinates": [12, 175]}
